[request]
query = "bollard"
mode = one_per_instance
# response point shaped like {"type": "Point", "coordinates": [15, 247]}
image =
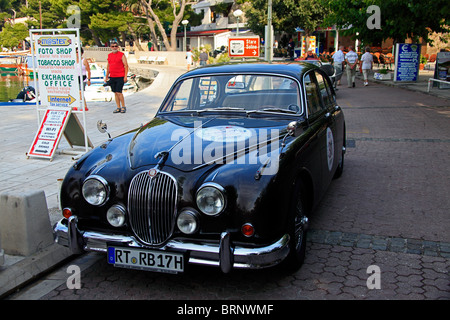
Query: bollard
{"type": "Point", "coordinates": [24, 223]}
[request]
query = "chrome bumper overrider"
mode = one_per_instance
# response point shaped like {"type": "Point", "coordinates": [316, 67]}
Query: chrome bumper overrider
{"type": "Point", "coordinates": [222, 253]}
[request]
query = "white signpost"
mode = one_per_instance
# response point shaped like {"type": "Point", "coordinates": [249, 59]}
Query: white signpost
{"type": "Point", "coordinates": [58, 86]}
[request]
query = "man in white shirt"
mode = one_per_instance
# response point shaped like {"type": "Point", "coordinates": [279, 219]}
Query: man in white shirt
{"type": "Point", "coordinates": [351, 58]}
{"type": "Point", "coordinates": [367, 61]}
{"type": "Point", "coordinates": [338, 61]}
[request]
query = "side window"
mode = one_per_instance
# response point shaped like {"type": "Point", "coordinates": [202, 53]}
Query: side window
{"type": "Point", "coordinates": [312, 94]}
{"type": "Point", "coordinates": [325, 90]}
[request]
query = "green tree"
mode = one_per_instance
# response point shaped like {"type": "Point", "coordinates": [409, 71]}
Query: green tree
{"type": "Point", "coordinates": [286, 15]}
{"type": "Point", "coordinates": [400, 19]}
{"type": "Point", "coordinates": [12, 35]}
{"type": "Point", "coordinates": [162, 14]}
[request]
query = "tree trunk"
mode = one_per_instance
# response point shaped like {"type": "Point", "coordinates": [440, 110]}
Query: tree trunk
{"type": "Point", "coordinates": [135, 38]}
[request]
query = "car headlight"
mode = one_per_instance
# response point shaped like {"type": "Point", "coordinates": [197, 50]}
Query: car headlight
{"type": "Point", "coordinates": [187, 221]}
{"type": "Point", "coordinates": [211, 199]}
{"type": "Point", "coordinates": [116, 215]}
{"type": "Point", "coordinates": [95, 190]}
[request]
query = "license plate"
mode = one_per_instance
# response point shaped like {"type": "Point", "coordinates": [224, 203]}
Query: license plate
{"type": "Point", "coordinates": [136, 258]}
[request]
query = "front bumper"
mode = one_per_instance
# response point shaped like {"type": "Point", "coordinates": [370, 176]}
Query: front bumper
{"type": "Point", "coordinates": [222, 253]}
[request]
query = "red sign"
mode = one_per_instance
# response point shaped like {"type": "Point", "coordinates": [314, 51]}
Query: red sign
{"type": "Point", "coordinates": [244, 47]}
{"type": "Point", "coordinates": [49, 133]}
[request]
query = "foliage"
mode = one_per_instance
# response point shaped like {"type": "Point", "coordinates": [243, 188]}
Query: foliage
{"type": "Point", "coordinates": [167, 17]}
{"type": "Point", "coordinates": [286, 15]}
{"type": "Point", "coordinates": [423, 59]}
{"type": "Point", "coordinates": [418, 18]}
{"type": "Point", "coordinates": [12, 35]}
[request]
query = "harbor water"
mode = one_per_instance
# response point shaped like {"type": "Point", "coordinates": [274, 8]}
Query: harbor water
{"type": "Point", "coordinates": [11, 84]}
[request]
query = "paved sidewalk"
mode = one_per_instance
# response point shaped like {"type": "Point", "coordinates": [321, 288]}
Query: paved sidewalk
{"type": "Point", "coordinates": [420, 86]}
{"type": "Point", "coordinates": [18, 173]}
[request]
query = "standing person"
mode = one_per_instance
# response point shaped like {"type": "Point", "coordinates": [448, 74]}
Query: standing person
{"type": "Point", "coordinates": [310, 55]}
{"type": "Point", "coordinates": [203, 57]}
{"type": "Point", "coordinates": [291, 47]}
{"type": "Point", "coordinates": [367, 62]}
{"type": "Point", "coordinates": [116, 72]}
{"type": "Point", "coordinates": [351, 59]}
{"type": "Point", "coordinates": [85, 76]}
{"type": "Point", "coordinates": [189, 58]}
{"type": "Point", "coordinates": [338, 62]}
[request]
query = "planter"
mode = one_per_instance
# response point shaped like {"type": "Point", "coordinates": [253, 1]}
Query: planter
{"type": "Point", "coordinates": [382, 76]}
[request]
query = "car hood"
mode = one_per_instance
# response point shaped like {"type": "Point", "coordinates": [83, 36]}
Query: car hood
{"type": "Point", "coordinates": [191, 142]}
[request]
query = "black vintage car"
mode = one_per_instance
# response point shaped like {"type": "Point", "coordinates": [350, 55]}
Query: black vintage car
{"type": "Point", "coordinates": [225, 175]}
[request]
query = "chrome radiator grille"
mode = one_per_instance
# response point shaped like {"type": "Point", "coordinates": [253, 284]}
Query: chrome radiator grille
{"type": "Point", "coordinates": [152, 206]}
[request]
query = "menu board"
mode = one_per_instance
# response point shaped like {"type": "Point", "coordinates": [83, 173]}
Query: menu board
{"type": "Point", "coordinates": [407, 59]}
{"type": "Point", "coordinates": [47, 138]}
{"type": "Point", "coordinates": [442, 70]}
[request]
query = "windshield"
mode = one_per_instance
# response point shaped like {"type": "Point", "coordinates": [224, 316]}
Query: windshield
{"type": "Point", "coordinates": [247, 93]}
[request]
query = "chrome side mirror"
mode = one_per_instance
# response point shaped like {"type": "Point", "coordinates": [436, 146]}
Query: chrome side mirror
{"type": "Point", "coordinates": [102, 127]}
{"type": "Point", "coordinates": [292, 126]}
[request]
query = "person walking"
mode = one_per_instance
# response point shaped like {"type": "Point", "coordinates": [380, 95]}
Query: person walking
{"type": "Point", "coordinates": [367, 62]}
{"type": "Point", "coordinates": [338, 63]}
{"type": "Point", "coordinates": [351, 59]}
{"type": "Point", "coordinates": [188, 58]}
{"type": "Point", "coordinates": [116, 73]}
{"type": "Point", "coordinates": [85, 76]}
{"type": "Point", "coordinates": [203, 58]}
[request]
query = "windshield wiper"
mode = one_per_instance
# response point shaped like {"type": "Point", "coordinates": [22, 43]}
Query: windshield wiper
{"type": "Point", "coordinates": [281, 110]}
{"type": "Point", "coordinates": [221, 109]}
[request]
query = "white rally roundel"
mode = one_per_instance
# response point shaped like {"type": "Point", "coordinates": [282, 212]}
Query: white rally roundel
{"type": "Point", "coordinates": [224, 134]}
{"type": "Point", "coordinates": [330, 148]}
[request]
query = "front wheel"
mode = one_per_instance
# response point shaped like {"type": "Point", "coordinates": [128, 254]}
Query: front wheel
{"type": "Point", "coordinates": [298, 232]}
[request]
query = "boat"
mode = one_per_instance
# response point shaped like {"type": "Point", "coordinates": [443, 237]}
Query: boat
{"type": "Point", "coordinates": [11, 62]}
{"type": "Point", "coordinates": [26, 66]}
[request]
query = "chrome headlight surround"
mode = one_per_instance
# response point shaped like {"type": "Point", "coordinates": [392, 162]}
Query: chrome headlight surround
{"type": "Point", "coordinates": [211, 199]}
{"type": "Point", "coordinates": [95, 190]}
{"type": "Point", "coordinates": [188, 221]}
{"type": "Point", "coordinates": [116, 215]}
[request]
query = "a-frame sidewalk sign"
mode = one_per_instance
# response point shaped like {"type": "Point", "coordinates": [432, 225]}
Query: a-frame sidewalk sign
{"type": "Point", "coordinates": [57, 68]}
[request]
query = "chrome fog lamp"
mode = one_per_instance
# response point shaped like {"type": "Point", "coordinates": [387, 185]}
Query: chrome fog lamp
{"type": "Point", "coordinates": [95, 190]}
{"type": "Point", "coordinates": [211, 199]}
{"type": "Point", "coordinates": [116, 215]}
{"type": "Point", "coordinates": [187, 221]}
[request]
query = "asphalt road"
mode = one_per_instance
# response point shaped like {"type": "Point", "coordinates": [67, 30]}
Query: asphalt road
{"type": "Point", "coordinates": [389, 212]}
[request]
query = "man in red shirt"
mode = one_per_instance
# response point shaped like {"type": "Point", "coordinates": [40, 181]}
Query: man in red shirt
{"type": "Point", "coordinates": [116, 72]}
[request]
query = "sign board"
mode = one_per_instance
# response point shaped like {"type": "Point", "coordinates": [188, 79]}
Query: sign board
{"type": "Point", "coordinates": [74, 133]}
{"type": "Point", "coordinates": [47, 138]}
{"type": "Point", "coordinates": [243, 47]}
{"type": "Point", "coordinates": [58, 70]}
{"type": "Point", "coordinates": [407, 60]}
{"type": "Point", "coordinates": [442, 70]}
{"type": "Point", "coordinates": [55, 122]}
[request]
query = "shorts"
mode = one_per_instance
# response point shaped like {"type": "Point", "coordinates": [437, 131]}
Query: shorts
{"type": "Point", "coordinates": [116, 84]}
{"type": "Point", "coordinates": [83, 82]}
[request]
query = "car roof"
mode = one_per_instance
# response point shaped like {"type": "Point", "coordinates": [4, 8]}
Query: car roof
{"type": "Point", "coordinates": [291, 68]}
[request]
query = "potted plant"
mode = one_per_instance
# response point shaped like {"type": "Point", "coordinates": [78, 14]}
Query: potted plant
{"type": "Point", "coordinates": [423, 62]}
{"type": "Point", "coordinates": [382, 74]}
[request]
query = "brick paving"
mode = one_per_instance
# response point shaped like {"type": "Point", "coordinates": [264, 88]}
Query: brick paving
{"type": "Point", "coordinates": [390, 209]}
